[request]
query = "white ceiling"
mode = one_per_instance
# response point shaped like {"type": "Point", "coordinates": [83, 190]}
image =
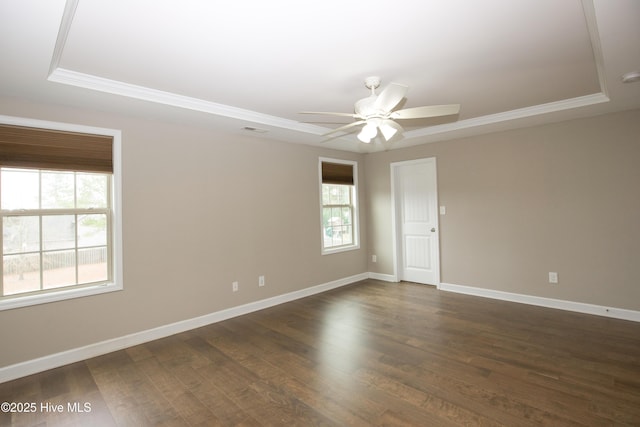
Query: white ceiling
{"type": "Point", "coordinates": [229, 65]}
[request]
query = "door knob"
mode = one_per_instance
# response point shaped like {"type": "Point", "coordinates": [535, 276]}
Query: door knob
{"type": "Point", "coordinates": [433, 230]}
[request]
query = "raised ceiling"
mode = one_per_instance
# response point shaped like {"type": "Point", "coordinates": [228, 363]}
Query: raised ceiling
{"type": "Point", "coordinates": [257, 64]}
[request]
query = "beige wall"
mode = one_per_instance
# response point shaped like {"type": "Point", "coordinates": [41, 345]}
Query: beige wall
{"type": "Point", "coordinates": [201, 209]}
{"type": "Point", "coordinates": [563, 197]}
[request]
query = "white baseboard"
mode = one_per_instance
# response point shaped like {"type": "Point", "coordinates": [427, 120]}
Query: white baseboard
{"type": "Point", "coordinates": [41, 364]}
{"type": "Point", "coordinates": [383, 277]}
{"type": "Point", "coordinates": [599, 310]}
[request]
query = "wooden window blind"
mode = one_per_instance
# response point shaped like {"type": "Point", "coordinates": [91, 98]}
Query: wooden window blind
{"type": "Point", "coordinates": [337, 173]}
{"type": "Point", "coordinates": [26, 147]}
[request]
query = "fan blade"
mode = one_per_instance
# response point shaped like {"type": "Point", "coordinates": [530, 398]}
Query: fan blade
{"type": "Point", "coordinates": [428, 111]}
{"type": "Point", "coordinates": [328, 113]}
{"type": "Point", "coordinates": [391, 96]}
{"type": "Point", "coordinates": [365, 106]}
{"type": "Point", "coordinates": [389, 129]}
{"type": "Point", "coordinates": [341, 128]}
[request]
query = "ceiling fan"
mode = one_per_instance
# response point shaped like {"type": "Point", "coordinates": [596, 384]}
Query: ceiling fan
{"type": "Point", "coordinates": [375, 112]}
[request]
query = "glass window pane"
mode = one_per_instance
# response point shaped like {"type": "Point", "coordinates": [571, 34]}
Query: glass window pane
{"type": "Point", "coordinates": [92, 230]}
{"type": "Point", "coordinates": [337, 237]}
{"type": "Point", "coordinates": [345, 191]}
{"type": "Point", "coordinates": [20, 234]}
{"type": "Point", "coordinates": [92, 265]}
{"type": "Point", "coordinates": [20, 189]}
{"type": "Point", "coordinates": [21, 273]}
{"type": "Point", "coordinates": [92, 190]}
{"type": "Point", "coordinates": [59, 269]}
{"type": "Point", "coordinates": [335, 195]}
{"type": "Point", "coordinates": [326, 191]}
{"type": "Point", "coordinates": [346, 216]}
{"type": "Point", "coordinates": [347, 235]}
{"type": "Point", "coordinates": [57, 190]}
{"type": "Point", "coordinates": [58, 232]}
{"type": "Point", "coordinates": [326, 214]}
{"type": "Point", "coordinates": [326, 221]}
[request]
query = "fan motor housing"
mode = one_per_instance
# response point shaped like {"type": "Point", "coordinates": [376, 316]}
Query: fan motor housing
{"type": "Point", "coordinates": [366, 107]}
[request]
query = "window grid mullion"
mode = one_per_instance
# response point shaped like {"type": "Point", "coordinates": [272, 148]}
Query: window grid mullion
{"type": "Point", "coordinates": [75, 248]}
{"type": "Point", "coordinates": [75, 205]}
{"type": "Point", "coordinates": [1, 243]}
{"type": "Point", "coordinates": [110, 230]}
{"type": "Point", "coordinates": [49, 212]}
{"type": "Point", "coordinates": [40, 230]}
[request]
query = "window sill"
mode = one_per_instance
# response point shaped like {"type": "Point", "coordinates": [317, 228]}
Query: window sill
{"type": "Point", "coordinates": [340, 249]}
{"type": "Point", "coordinates": [12, 302]}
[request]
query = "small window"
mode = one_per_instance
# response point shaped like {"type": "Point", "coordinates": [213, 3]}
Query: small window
{"type": "Point", "coordinates": [58, 218]}
{"type": "Point", "coordinates": [338, 201]}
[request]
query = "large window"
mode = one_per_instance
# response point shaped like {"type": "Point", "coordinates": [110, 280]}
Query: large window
{"type": "Point", "coordinates": [338, 191]}
{"type": "Point", "coordinates": [58, 202]}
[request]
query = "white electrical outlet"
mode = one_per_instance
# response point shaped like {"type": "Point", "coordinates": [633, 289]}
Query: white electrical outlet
{"type": "Point", "coordinates": [374, 258]}
{"type": "Point", "coordinates": [234, 286]}
{"type": "Point", "coordinates": [553, 277]}
{"type": "Point", "coordinates": [260, 280]}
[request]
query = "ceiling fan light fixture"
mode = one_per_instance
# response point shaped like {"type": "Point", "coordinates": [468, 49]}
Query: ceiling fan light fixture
{"type": "Point", "coordinates": [387, 131]}
{"type": "Point", "coordinates": [368, 132]}
{"type": "Point", "coordinates": [363, 138]}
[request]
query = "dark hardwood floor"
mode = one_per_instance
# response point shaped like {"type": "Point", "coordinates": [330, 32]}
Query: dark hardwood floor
{"type": "Point", "coordinates": [372, 353]}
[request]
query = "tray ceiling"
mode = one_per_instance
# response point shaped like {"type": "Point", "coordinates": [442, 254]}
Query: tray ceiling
{"type": "Point", "coordinates": [258, 64]}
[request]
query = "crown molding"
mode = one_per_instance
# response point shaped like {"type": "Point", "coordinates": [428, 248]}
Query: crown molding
{"type": "Point", "coordinates": [592, 28]}
{"type": "Point", "coordinates": [88, 81]}
{"type": "Point", "coordinates": [68, 14]}
{"type": "Point", "coordinates": [520, 113]}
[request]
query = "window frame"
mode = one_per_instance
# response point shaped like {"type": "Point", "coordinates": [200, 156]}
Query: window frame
{"type": "Point", "coordinates": [354, 207]}
{"type": "Point", "coordinates": [115, 281]}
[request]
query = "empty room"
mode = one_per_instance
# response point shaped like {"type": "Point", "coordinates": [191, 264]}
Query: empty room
{"type": "Point", "coordinates": [330, 213]}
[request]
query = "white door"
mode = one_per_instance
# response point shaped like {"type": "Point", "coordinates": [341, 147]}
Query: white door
{"type": "Point", "coordinates": [416, 221]}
